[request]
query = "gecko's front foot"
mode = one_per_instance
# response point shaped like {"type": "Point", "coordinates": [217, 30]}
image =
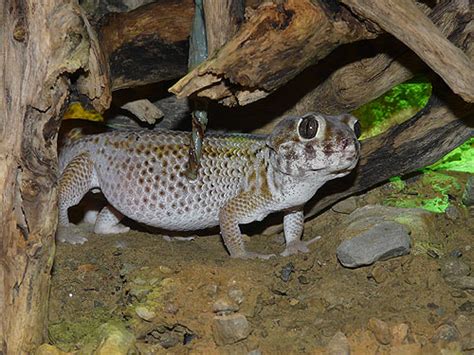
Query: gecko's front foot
{"type": "Point", "coordinates": [253, 255]}
{"type": "Point", "coordinates": [111, 229]}
{"type": "Point", "coordinates": [71, 234]}
{"type": "Point", "coordinates": [298, 246]}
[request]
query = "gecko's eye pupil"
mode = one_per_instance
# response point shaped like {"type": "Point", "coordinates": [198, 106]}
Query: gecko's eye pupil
{"type": "Point", "coordinates": [308, 127]}
{"type": "Point", "coordinates": [357, 129]}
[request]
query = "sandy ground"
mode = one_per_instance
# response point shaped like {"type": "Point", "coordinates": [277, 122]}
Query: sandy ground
{"type": "Point", "coordinates": [179, 296]}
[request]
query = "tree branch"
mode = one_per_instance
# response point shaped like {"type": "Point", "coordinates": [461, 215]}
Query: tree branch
{"type": "Point", "coordinates": [404, 20]}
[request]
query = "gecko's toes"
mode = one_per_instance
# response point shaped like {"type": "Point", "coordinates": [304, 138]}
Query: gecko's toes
{"type": "Point", "coordinates": [253, 255]}
{"type": "Point", "coordinates": [108, 229]}
{"type": "Point", "coordinates": [298, 246]}
{"type": "Point", "coordinates": [70, 234]}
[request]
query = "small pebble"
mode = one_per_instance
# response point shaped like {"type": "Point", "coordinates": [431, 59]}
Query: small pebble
{"type": "Point", "coordinates": [303, 280]}
{"type": "Point", "coordinates": [468, 194]}
{"type": "Point", "coordinates": [171, 308]}
{"type": "Point", "coordinates": [211, 290]}
{"type": "Point", "coordinates": [452, 213]}
{"type": "Point", "coordinates": [188, 337]}
{"type": "Point", "coordinates": [230, 329]}
{"type": "Point", "coordinates": [400, 334]}
{"type": "Point", "coordinates": [380, 330]}
{"type": "Point", "coordinates": [169, 339]}
{"type": "Point", "coordinates": [338, 345]}
{"type": "Point", "coordinates": [223, 307]}
{"type": "Point", "coordinates": [461, 282]}
{"type": "Point", "coordinates": [294, 302]}
{"type": "Point", "coordinates": [454, 267]}
{"type": "Point", "coordinates": [144, 313]}
{"type": "Point", "coordinates": [165, 270]}
{"type": "Point", "coordinates": [467, 307]}
{"type": "Point", "coordinates": [446, 333]}
{"type": "Point", "coordinates": [379, 274]}
{"type": "Point", "coordinates": [346, 206]}
{"type": "Point", "coordinates": [286, 272]}
{"type": "Point", "coordinates": [237, 295]}
{"type": "Point", "coordinates": [456, 253]}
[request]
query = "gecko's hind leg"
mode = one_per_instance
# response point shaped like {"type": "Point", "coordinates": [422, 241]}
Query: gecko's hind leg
{"type": "Point", "coordinates": [108, 222]}
{"type": "Point", "coordinates": [76, 180]}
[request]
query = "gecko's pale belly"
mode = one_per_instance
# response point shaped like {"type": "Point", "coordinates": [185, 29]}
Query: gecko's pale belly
{"type": "Point", "coordinates": [165, 198]}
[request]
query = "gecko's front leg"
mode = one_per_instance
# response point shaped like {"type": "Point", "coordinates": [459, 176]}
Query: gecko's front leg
{"type": "Point", "coordinates": [293, 225]}
{"type": "Point", "coordinates": [240, 209]}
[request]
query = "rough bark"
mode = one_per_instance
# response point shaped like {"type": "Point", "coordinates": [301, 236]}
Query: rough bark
{"type": "Point", "coordinates": [445, 123]}
{"type": "Point", "coordinates": [223, 19]}
{"type": "Point", "coordinates": [283, 39]}
{"type": "Point", "coordinates": [42, 42]}
{"type": "Point", "coordinates": [404, 20]}
{"type": "Point", "coordinates": [149, 44]}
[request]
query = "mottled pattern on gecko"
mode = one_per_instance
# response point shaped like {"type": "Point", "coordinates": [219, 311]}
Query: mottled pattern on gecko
{"type": "Point", "coordinates": [242, 178]}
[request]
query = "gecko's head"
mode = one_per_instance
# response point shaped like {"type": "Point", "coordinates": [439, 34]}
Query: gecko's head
{"type": "Point", "coordinates": [315, 143]}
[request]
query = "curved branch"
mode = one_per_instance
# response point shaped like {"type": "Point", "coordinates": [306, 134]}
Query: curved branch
{"type": "Point", "coordinates": [404, 20]}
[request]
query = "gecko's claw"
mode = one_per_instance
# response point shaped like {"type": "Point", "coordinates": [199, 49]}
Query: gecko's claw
{"type": "Point", "coordinates": [253, 255]}
{"type": "Point", "coordinates": [298, 246]}
{"type": "Point", "coordinates": [71, 234]}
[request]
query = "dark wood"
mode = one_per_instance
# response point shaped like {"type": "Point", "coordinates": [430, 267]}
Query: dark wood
{"type": "Point", "coordinates": [359, 73]}
{"type": "Point", "coordinates": [149, 44]}
{"type": "Point", "coordinates": [444, 124]}
{"type": "Point", "coordinates": [43, 43]}
{"type": "Point", "coordinates": [223, 19]}
{"type": "Point", "coordinates": [272, 47]}
{"type": "Point", "coordinates": [407, 22]}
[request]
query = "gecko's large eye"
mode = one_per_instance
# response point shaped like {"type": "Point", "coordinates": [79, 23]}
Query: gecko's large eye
{"type": "Point", "coordinates": [308, 127]}
{"type": "Point", "coordinates": [357, 129]}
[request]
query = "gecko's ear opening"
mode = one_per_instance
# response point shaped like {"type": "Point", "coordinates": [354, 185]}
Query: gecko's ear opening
{"type": "Point", "coordinates": [352, 122]}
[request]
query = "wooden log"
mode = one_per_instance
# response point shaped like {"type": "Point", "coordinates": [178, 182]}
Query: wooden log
{"type": "Point", "coordinates": [404, 20]}
{"type": "Point", "coordinates": [444, 124]}
{"type": "Point", "coordinates": [223, 19]}
{"type": "Point", "coordinates": [283, 39]}
{"type": "Point", "coordinates": [42, 43]}
{"type": "Point", "coordinates": [357, 82]}
{"type": "Point", "coordinates": [149, 44]}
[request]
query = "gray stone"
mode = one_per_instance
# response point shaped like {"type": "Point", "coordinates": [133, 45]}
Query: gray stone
{"type": "Point", "coordinates": [286, 272]}
{"type": "Point", "coordinates": [452, 213]}
{"type": "Point", "coordinates": [468, 194]}
{"type": "Point", "coordinates": [230, 329]}
{"type": "Point", "coordinates": [446, 333]}
{"type": "Point", "coordinates": [346, 206]}
{"type": "Point", "coordinates": [454, 267]}
{"type": "Point", "coordinates": [381, 242]}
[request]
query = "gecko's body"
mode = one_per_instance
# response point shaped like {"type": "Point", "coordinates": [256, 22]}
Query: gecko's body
{"type": "Point", "coordinates": [242, 178]}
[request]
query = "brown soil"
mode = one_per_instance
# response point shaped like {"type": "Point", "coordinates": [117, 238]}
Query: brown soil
{"type": "Point", "coordinates": [179, 282]}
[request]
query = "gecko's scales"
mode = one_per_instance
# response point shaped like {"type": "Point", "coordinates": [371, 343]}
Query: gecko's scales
{"type": "Point", "coordinates": [242, 178]}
